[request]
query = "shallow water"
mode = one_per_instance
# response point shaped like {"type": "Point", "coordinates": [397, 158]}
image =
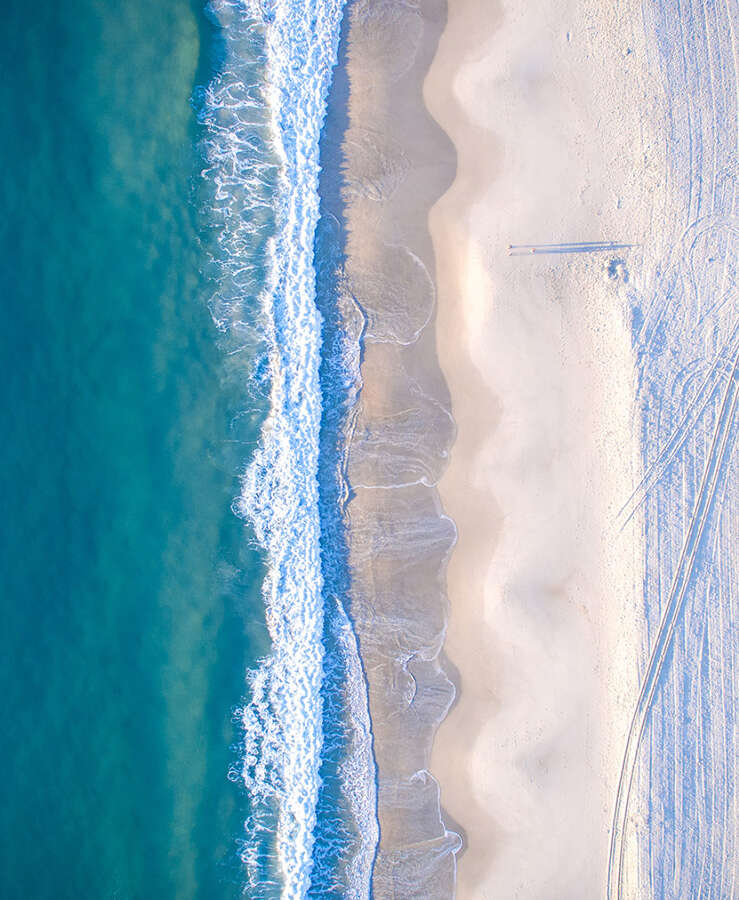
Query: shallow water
{"type": "Point", "coordinates": [130, 596]}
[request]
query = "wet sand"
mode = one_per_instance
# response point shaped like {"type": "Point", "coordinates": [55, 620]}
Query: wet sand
{"type": "Point", "coordinates": [396, 163]}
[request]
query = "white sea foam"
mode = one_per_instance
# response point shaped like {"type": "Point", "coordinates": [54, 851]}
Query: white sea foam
{"type": "Point", "coordinates": [358, 767]}
{"type": "Point", "coordinates": [264, 115]}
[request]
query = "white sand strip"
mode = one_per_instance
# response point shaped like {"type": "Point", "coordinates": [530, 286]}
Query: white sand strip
{"type": "Point", "coordinates": [548, 106]}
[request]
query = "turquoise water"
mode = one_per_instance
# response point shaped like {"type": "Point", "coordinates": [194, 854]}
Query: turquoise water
{"type": "Point", "coordinates": [130, 595]}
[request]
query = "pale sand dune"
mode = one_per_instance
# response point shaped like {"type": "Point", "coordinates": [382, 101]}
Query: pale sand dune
{"type": "Point", "coordinates": [548, 106]}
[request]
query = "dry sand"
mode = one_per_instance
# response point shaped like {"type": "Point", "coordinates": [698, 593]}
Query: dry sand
{"type": "Point", "coordinates": [548, 107]}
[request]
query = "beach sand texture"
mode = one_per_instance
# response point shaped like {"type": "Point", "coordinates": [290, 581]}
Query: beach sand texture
{"type": "Point", "coordinates": [563, 116]}
{"type": "Point", "coordinates": [396, 162]}
{"type": "Point", "coordinates": [543, 105]}
{"type": "Point", "coordinates": [509, 490]}
{"type": "Point", "coordinates": [535, 352]}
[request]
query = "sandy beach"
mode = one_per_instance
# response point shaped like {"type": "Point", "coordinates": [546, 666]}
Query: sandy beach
{"type": "Point", "coordinates": [547, 107]}
{"type": "Point", "coordinates": [519, 207]}
{"type": "Point", "coordinates": [536, 612]}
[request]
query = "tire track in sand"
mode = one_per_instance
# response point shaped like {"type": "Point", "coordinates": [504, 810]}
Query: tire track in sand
{"type": "Point", "coordinates": [701, 513]}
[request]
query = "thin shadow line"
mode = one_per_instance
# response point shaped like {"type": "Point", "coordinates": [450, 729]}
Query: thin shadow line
{"type": "Point", "coordinates": [571, 247]}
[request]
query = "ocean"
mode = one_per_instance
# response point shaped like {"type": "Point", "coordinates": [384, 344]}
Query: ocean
{"type": "Point", "coordinates": [183, 706]}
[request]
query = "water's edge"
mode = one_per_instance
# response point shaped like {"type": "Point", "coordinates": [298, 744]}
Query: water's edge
{"type": "Point", "coordinates": [394, 163]}
{"type": "Point", "coordinates": [305, 758]}
{"type": "Point", "coordinates": [321, 180]}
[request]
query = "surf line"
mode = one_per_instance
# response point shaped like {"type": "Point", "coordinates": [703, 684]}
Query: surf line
{"type": "Point", "coordinates": [265, 112]}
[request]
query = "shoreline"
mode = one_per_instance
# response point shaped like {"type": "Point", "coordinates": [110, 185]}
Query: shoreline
{"type": "Point", "coordinates": [395, 163]}
{"type": "Point", "coordinates": [544, 590]}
